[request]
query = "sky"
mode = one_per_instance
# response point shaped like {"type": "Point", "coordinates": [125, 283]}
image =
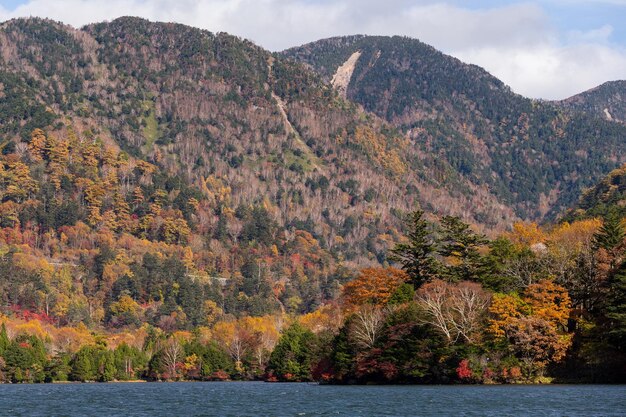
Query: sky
{"type": "Point", "coordinates": [549, 49]}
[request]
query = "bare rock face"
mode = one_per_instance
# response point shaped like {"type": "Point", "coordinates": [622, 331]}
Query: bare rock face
{"type": "Point", "coordinates": [342, 77]}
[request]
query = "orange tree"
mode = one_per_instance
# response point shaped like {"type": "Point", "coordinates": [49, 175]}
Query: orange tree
{"type": "Point", "coordinates": [373, 286]}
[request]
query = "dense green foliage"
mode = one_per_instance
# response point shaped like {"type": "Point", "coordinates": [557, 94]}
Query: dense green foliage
{"type": "Point", "coordinates": [417, 255]}
{"type": "Point", "coordinates": [293, 356]}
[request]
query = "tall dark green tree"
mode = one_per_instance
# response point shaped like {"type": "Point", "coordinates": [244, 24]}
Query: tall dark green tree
{"type": "Point", "coordinates": [293, 356]}
{"type": "Point", "coordinates": [259, 227]}
{"type": "Point", "coordinates": [417, 255]}
{"type": "Point", "coordinates": [611, 234]}
{"type": "Point", "coordinates": [460, 245]}
{"type": "Point", "coordinates": [616, 309]}
{"type": "Point", "coordinates": [83, 368]}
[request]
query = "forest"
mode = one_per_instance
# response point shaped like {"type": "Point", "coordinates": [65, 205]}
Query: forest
{"type": "Point", "coordinates": [214, 211]}
{"type": "Point", "coordinates": [104, 278]}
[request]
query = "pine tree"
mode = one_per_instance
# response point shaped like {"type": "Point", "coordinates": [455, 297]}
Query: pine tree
{"type": "Point", "coordinates": [292, 358]}
{"type": "Point", "coordinates": [82, 365]}
{"type": "Point", "coordinates": [417, 255]}
{"type": "Point", "coordinates": [460, 246]}
{"type": "Point", "coordinates": [609, 240]}
{"type": "Point", "coordinates": [611, 234]}
{"type": "Point", "coordinates": [616, 308]}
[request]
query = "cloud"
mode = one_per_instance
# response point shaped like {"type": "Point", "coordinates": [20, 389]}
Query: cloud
{"type": "Point", "coordinates": [516, 42]}
{"type": "Point", "coordinates": [599, 35]}
{"type": "Point", "coordinates": [551, 71]}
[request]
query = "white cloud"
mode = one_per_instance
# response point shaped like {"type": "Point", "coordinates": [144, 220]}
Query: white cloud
{"type": "Point", "coordinates": [599, 35]}
{"type": "Point", "coordinates": [517, 43]}
{"type": "Point", "coordinates": [551, 71]}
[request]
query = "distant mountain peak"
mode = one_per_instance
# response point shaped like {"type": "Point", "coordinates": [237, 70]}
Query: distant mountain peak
{"type": "Point", "coordinates": [607, 100]}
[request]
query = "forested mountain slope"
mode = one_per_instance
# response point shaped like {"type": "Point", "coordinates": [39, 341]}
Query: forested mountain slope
{"type": "Point", "coordinates": [213, 107]}
{"type": "Point", "coordinates": [177, 167]}
{"type": "Point", "coordinates": [608, 196]}
{"type": "Point", "coordinates": [207, 146]}
{"type": "Point", "coordinates": [532, 155]}
{"type": "Point", "coordinates": [178, 204]}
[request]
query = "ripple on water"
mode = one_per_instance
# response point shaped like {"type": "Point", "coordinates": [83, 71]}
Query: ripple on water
{"type": "Point", "coordinates": [256, 398]}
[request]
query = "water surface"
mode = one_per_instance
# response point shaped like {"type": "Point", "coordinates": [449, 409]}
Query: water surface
{"type": "Point", "coordinates": [263, 399]}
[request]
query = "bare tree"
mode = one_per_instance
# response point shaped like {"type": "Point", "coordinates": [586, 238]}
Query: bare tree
{"type": "Point", "coordinates": [467, 305]}
{"type": "Point", "coordinates": [172, 354]}
{"type": "Point", "coordinates": [433, 298]}
{"type": "Point", "coordinates": [456, 310]}
{"type": "Point", "coordinates": [367, 325]}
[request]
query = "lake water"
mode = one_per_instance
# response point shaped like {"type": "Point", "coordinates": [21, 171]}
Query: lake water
{"type": "Point", "coordinates": [263, 399]}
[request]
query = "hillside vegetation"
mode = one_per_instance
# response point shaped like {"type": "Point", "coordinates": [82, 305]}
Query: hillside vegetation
{"type": "Point", "coordinates": [607, 101]}
{"type": "Point", "coordinates": [608, 196]}
{"type": "Point", "coordinates": [533, 156]}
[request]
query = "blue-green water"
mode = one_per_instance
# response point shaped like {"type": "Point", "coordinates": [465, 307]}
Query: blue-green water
{"type": "Point", "coordinates": [262, 399]}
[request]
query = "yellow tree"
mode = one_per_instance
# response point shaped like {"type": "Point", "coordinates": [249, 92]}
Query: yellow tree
{"type": "Point", "coordinates": [328, 317]}
{"type": "Point", "coordinates": [122, 212]}
{"type": "Point", "coordinates": [526, 234]}
{"type": "Point", "coordinates": [37, 145]}
{"type": "Point", "coordinates": [15, 180]}
{"type": "Point", "coordinates": [549, 302]}
{"type": "Point", "coordinates": [504, 310]}
{"type": "Point", "coordinates": [533, 325]}
{"type": "Point", "coordinates": [57, 152]}
{"type": "Point", "coordinates": [264, 333]}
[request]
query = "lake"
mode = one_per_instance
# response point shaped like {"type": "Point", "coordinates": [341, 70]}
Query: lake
{"type": "Point", "coordinates": [264, 399]}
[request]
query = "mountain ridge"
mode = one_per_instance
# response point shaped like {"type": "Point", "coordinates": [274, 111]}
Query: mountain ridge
{"type": "Point", "coordinates": [607, 101]}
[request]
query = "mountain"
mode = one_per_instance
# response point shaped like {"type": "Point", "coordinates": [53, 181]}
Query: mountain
{"type": "Point", "coordinates": [169, 195]}
{"type": "Point", "coordinates": [129, 147]}
{"type": "Point", "coordinates": [533, 156]}
{"type": "Point", "coordinates": [203, 105]}
{"type": "Point", "coordinates": [607, 101]}
{"type": "Point", "coordinates": [177, 166]}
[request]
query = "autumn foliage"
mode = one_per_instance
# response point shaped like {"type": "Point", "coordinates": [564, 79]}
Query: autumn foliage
{"type": "Point", "coordinates": [373, 286]}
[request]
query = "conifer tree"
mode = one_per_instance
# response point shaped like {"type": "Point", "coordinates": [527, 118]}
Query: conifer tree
{"type": "Point", "coordinates": [4, 339]}
{"type": "Point", "coordinates": [460, 245]}
{"type": "Point", "coordinates": [616, 308]}
{"type": "Point", "coordinates": [417, 255]}
{"type": "Point", "coordinates": [611, 234]}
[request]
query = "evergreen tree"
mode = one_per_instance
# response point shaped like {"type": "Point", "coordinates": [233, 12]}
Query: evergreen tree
{"type": "Point", "coordinates": [82, 365]}
{"type": "Point", "coordinates": [106, 366]}
{"type": "Point", "coordinates": [417, 255]}
{"type": "Point", "coordinates": [616, 308]}
{"type": "Point", "coordinates": [460, 245]}
{"type": "Point", "coordinates": [402, 295]}
{"type": "Point", "coordinates": [4, 339]}
{"type": "Point", "coordinates": [292, 358]}
{"type": "Point", "coordinates": [611, 234]}
{"type": "Point", "coordinates": [343, 355]}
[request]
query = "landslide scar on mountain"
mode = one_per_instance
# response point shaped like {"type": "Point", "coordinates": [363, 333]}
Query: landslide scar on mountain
{"type": "Point", "coordinates": [342, 77]}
